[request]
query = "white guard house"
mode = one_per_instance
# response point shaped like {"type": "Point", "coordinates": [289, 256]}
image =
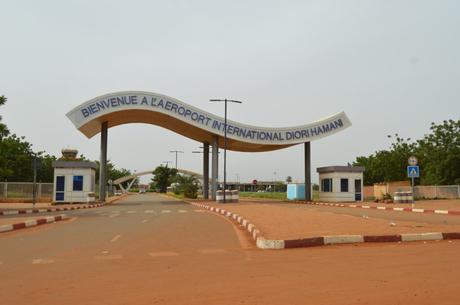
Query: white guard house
{"type": "Point", "coordinates": [73, 180]}
{"type": "Point", "coordinates": [341, 183]}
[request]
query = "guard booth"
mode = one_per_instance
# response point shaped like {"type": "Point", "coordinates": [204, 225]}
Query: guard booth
{"type": "Point", "coordinates": [341, 183]}
{"type": "Point", "coordinates": [74, 180]}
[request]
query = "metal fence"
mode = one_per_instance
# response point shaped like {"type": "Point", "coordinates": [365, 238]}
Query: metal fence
{"type": "Point", "coordinates": [24, 190]}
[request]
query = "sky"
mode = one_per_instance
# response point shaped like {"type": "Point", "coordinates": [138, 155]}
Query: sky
{"type": "Point", "coordinates": [392, 66]}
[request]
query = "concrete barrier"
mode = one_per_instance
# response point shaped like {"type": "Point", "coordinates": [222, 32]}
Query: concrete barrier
{"type": "Point", "coordinates": [235, 195]}
{"type": "Point", "coordinates": [403, 197]}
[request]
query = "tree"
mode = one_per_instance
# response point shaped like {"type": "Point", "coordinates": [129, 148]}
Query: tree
{"type": "Point", "coordinates": [438, 153]}
{"type": "Point", "coordinates": [288, 179]}
{"type": "Point", "coordinates": [15, 159]}
{"type": "Point", "coordinates": [163, 177]}
{"type": "Point", "coordinates": [4, 132]}
{"type": "Point", "coordinates": [188, 185]}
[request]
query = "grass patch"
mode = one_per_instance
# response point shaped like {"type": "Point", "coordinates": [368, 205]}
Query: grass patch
{"type": "Point", "coordinates": [264, 195]}
{"type": "Point", "coordinates": [177, 196]}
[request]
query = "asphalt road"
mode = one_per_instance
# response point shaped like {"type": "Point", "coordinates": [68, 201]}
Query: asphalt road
{"type": "Point", "coordinates": [147, 249]}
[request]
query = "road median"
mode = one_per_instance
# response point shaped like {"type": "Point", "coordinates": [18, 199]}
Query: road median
{"type": "Point", "coordinates": [280, 227]}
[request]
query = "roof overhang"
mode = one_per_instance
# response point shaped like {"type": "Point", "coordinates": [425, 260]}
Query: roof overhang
{"type": "Point", "coordinates": [127, 107]}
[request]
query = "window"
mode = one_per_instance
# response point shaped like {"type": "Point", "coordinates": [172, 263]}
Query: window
{"type": "Point", "coordinates": [344, 185]}
{"type": "Point", "coordinates": [326, 185]}
{"type": "Point", "coordinates": [78, 183]}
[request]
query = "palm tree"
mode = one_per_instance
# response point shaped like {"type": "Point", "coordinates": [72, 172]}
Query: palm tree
{"type": "Point", "coordinates": [163, 177]}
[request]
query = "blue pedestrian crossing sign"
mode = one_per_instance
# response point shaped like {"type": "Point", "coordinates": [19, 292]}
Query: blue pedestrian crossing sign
{"type": "Point", "coordinates": [413, 171]}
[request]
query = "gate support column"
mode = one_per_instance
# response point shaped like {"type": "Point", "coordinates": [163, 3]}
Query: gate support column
{"type": "Point", "coordinates": [307, 153]}
{"type": "Point", "coordinates": [103, 162]}
{"type": "Point", "coordinates": [206, 170]}
{"type": "Point", "coordinates": [215, 166]}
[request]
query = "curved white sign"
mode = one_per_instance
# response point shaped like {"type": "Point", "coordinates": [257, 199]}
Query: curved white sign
{"type": "Point", "coordinates": [103, 106]}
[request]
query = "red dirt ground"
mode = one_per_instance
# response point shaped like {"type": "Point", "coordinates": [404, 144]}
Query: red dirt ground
{"type": "Point", "coordinates": [282, 222]}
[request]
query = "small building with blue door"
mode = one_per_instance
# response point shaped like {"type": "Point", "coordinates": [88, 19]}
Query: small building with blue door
{"type": "Point", "coordinates": [341, 183]}
{"type": "Point", "coordinates": [74, 179]}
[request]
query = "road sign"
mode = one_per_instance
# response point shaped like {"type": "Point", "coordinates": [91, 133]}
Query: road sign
{"type": "Point", "coordinates": [413, 171]}
{"type": "Point", "coordinates": [413, 161]}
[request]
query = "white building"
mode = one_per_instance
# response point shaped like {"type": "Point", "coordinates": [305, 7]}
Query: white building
{"type": "Point", "coordinates": [340, 183]}
{"type": "Point", "coordinates": [73, 181]}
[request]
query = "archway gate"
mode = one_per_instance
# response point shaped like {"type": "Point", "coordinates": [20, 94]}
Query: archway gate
{"type": "Point", "coordinates": [99, 114]}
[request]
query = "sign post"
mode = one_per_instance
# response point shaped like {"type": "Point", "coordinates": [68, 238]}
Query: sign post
{"type": "Point", "coordinates": [413, 171]}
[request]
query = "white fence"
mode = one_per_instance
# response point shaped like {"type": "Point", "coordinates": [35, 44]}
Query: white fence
{"type": "Point", "coordinates": [24, 190]}
{"type": "Point", "coordinates": [420, 192]}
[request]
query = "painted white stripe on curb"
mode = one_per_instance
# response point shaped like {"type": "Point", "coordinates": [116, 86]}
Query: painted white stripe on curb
{"type": "Point", "coordinates": [269, 243]}
{"type": "Point", "coordinates": [10, 212]}
{"type": "Point", "coordinates": [381, 208]}
{"type": "Point", "coordinates": [418, 210]}
{"type": "Point", "coordinates": [398, 209]}
{"type": "Point", "coordinates": [6, 228]}
{"type": "Point", "coordinates": [441, 212]}
{"type": "Point", "coordinates": [50, 219]}
{"type": "Point", "coordinates": [31, 223]}
{"type": "Point", "coordinates": [421, 236]}
{"type": "Point", "coordinates": [366, 207]}
{"type": "Point", "coordinates": [343, 239]}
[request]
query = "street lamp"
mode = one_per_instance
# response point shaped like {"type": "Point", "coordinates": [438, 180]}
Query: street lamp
{"type": "Point", "coordinates": [167, 162]}
{"type": "Point", "coordinates": [176, 152]}
{"type": "Point", "coordinates": [225, 137]}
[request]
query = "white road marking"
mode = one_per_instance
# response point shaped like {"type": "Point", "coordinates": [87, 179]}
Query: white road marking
{"type": "Point", "coordinates": [199, 211]}
{"type": "Point", "coordinates": [109, 257]}
{"type": "Point", "coordinates": [149, 212]}
{"type": "Point", "coordinates": [115, 238]}
{"type": "Point", "coordinates": [163, 254]}
{"type": "Point", "coordinates": [114, 215]}
{"type": "Point", "coordinates": [166, 211]}
{"type": "Point", "coordinates": [42, 261]}
{"type": "Point", "coordinates": [183, 211]}
{"type": "Point", "coordinates": [211, 251]}
{"type": "Point", "coordinates": [132, 212]}
{"type": "Point", "coordinates": [145, 220]}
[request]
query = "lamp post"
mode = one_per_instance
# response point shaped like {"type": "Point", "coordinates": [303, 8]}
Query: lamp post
{"type": "Point", "coordinates": [176, 152]}
{"type": "Point", "coordinates": [225, 137]}
{"type": "Point", "coordinates": [167, 162]}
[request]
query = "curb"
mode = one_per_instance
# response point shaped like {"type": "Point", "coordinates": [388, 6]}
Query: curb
{"type": "Point", "coordinates": [33, 211]}
{"type": "Point", "coordinates": [32, 223]}
{"type": "Point", "coordinates": [263, 243]}
{"type": "Point", "coordinates": [359, 206]}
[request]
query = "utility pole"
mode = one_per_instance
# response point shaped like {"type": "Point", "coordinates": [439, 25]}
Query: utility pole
{"type": "Point", "coordinates": [225, 137]}
{"type": "Point", "coordinates": [176, 152]}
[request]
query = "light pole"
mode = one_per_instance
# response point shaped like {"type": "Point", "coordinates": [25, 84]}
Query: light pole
{"type": "Point", "coordinates": [274, 181]}
{"type": "Point", "coordinates": [176, 152]}
{"type": "Point", "coordinates": [225, 137]}
{"type": "Point", "coordinates": [167, 162]}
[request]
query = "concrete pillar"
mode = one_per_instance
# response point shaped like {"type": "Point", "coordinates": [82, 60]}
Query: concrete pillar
{"type": "Point", "coordinates": [215, 166]}
{"type": "Point", "coordinates": [307, 171]}
{"type": "Point", "coordinates": [206, 170]}
{"type": "Point", "coordinates": [103, 162]}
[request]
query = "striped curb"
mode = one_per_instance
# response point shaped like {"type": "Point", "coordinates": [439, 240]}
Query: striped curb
{"type": "Point", "coordinates": [47, 210]}
{"type": "Point", "coordinates": [359, 206]}
{"type": "Point", "coordinates": [263, 243]}
{"type": "Point", "coordinates": [32, 223]}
